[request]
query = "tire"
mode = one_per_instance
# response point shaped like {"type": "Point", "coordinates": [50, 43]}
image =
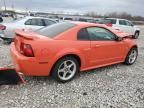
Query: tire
{"type": "Point", "coordinates": [65, 69]}
{"type": "Point", "coordinates": [136, 35]}
{"type": "Point", "coordinates": [7, 40]}
{"type": "Point", "coordinates": [1, 19]}
{"type": "Point", "coordinates": [131, 57]}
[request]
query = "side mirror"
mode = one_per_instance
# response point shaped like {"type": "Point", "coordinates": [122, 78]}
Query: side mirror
{"type": "Point", "coordinates": [119, 39]}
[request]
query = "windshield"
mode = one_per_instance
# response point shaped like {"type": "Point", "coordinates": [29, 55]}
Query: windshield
{"type": "Point", "coordinates": [55, 29]}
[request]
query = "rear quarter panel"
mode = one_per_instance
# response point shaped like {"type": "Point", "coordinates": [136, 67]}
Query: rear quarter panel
{"type": "Point", "coordinates": [52, 50]}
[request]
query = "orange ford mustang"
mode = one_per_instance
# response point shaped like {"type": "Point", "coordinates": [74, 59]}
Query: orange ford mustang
{"type": "Point", "coordinates": [64, 49]}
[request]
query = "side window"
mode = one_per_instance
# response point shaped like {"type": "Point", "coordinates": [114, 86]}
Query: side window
{"type": "Point", "coordinates": [36, 22]}
{"type": "Point", "coordinates": [122, 22]}
{"type": "Point", "coordinates": [129, 23]}
{"type": "Point", "coordinates": [97, 33]}
{"type": "Point", "coordinates": [83, 35]}
{"type": "Point", "coordinates": [69, 19]}
{"type": "Point", "coordinates": [48, 22]}
{"type": "Point", "coordinates": [28, 22]}
{"type": "Point", "coordinates": [112, 21]}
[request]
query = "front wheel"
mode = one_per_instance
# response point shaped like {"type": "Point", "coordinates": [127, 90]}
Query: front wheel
{"type": "Point", "coordinates": [65, 69]}
{"type": "Point", "coordinates": [131, 57]}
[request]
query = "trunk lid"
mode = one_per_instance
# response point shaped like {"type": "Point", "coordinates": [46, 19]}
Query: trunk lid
{"type": "Point", "coordinates": [22, 36]}
{"type": "Point", "coordinates": [27, 38]}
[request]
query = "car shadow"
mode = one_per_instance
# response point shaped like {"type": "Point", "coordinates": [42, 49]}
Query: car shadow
{"type": "Point", "coordinates": [50, 80]}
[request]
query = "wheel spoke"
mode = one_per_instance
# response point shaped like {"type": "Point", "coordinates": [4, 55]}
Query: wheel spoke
{"type": "Point", "coordinates": [65, 64]}
{"type": "Point", "coordinates": [64, 74]}
{"type": "Point", "coordinates": [72, 64]}
{"type": "Point", "coordinates": [61, 70]}
{"type": "Point", "coordinates": [70, 71]}
{"type": "Point", "coordinates": [131, 60]}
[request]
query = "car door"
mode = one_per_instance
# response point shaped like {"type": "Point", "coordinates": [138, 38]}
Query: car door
{"type": "Point", "coordinates": [34, 24]}
{"type": "Point", "coordinates": [122, 25]}
{"type": "Point", "coordinates": [131, 28]}
{"type": "Point", "coordinates": [125, 26]}
{"type": "Point", "coordinates": [84, 47]}
{"type": "Point", "coordinates": [104, 47]}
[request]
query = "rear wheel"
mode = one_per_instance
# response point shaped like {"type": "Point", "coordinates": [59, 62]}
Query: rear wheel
{"type": "Point", "coordinates": [136, 35]}
{"type": "Point", "coordinates": [131, 57]}
{"type": "Point", "coordinates": [65, 69]}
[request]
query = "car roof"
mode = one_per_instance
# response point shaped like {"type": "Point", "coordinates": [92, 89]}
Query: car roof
{"type": "Point", "coordinates": [118, 19]}
{"type": "Point", "coordinates": [87, 24]}
{"type": "Point", "coordinates": [28, 17]}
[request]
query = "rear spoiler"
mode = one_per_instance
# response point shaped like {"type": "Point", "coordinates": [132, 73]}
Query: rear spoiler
{"type": "Point", "coordinates": [25, 34]}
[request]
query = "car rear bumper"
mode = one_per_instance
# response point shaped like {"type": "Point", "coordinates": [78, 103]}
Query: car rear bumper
{"type": "Point", "coordinates": [4, 36]}
{"type": "Point", "coordinates": [29, 66]}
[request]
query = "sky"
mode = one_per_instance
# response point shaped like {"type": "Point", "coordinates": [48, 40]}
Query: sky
{"type": "Point", "coordinates": [134, 7]}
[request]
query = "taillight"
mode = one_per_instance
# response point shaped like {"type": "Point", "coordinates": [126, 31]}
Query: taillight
{"type": "Point", "coordinates": [2, 27]}
{"type": "Point", "coordinates": [109, 25]}
{"type": "Point", "coordinates": [26, 50]}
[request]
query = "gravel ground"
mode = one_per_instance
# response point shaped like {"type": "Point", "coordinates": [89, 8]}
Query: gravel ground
{"type": "Point", "coordinates": [116, 86]}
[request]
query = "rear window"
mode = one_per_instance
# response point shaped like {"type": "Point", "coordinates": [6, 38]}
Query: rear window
{"type": "Point", "coordinates": [104, 21]}
{"type": "Point", "coordinates": [112, 21]}
{"type": "Point", "coordinates": [55, 29]}
{"type": "Point", "coordinates": [82, 20]}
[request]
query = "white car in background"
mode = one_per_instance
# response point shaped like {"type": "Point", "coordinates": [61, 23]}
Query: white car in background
{"type": "Point", "coordinates": [125, 26]}
{"type": "Point", "coordinates": [7, 30]}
